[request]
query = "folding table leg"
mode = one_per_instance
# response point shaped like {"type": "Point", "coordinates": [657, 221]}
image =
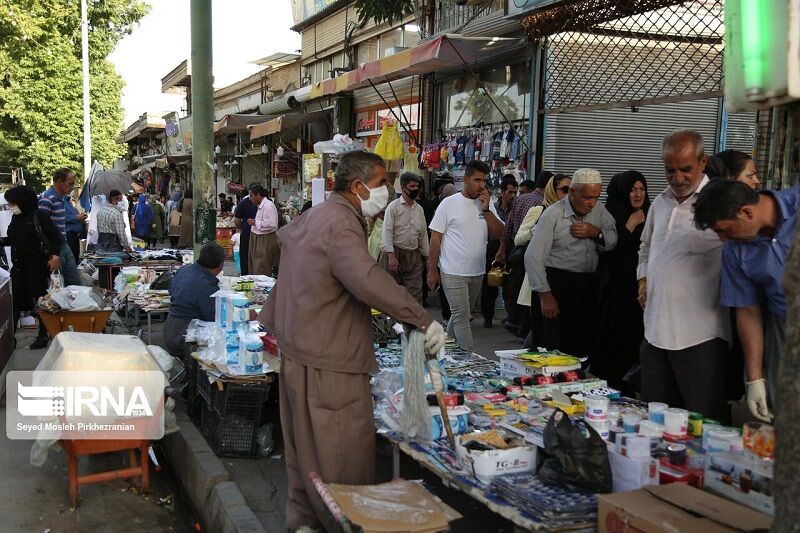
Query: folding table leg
{"type": "Point", "coordinates": [72, 467]}
{"type": "Point", "coordinates": [145, 467]}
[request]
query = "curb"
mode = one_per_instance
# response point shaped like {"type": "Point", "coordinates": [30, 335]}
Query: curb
{"type": "Point", "coordinates": [206, 482]}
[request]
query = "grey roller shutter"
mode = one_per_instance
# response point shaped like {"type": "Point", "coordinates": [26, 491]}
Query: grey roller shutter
{"type": "Point", "coordinates": [616, 140]}
{"type": "Point", "coordinates": [367, 97]}
{"type": "Point", "coordinates": [740, 132]}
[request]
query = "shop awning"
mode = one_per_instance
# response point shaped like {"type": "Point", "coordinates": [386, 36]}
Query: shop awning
{"type": "Point", "coordinates": [238, 123]}
{"type": "Point", "coordinates": [289, 123]}
{"type": "Point", "coordinates": [443, 53]}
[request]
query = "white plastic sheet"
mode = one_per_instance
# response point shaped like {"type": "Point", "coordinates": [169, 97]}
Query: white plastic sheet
{"type": "Point", "coordinates": [79, 353]}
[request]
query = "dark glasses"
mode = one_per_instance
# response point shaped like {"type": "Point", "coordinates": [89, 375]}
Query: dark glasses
{"type": "Point", "coordinates": [564, 189]}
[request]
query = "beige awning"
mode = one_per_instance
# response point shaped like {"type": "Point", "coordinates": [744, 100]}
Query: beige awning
{"type": "Point", "coordinates": [285, 123]}
{"type": "Point", "coordinates": [239, 123]}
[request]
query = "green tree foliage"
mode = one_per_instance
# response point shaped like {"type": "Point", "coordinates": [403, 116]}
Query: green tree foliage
{"type": "Point", "coordinates": [383, 10]}
{"type": "Point", "coordinates": [41, 106]}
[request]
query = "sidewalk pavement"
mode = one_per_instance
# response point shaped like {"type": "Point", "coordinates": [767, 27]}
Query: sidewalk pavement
{"type": "Point", "coordinates": [36, 499]}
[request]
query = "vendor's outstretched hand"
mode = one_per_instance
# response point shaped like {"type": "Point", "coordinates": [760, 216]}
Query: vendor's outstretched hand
{"type": "Point", "coordinates": [757, 400]}
{"type": "Point", "coordinates": [434, 338]}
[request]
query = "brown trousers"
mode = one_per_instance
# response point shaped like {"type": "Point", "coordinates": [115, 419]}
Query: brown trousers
{"type": "Point", "coordinates": [409, 273]}
{"type": "Point", "coordinates": [263, 254]}
{"type": "Point", "coordinates": [328, 428]}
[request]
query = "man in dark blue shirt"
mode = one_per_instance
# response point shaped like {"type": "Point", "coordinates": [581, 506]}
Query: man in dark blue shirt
{"type": "Point", "coordinates": [246, 209]}
{"type": "Point", "coordinates": [190, 296]}
{"type": "Point", "coordinates": [757, 228]}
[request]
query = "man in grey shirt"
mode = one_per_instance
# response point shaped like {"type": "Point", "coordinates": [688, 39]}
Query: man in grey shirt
{"type": "Point", "coordinates": [561, 262]}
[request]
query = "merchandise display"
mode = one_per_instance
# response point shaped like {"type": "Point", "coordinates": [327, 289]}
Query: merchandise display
{"type": "Point", "coordinates": [501, 416]}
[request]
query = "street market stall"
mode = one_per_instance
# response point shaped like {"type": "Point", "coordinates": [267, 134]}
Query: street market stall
{"type": "Point", "coordinates": [540, 443]}
{"type": "Point", "coordinates": [232, 367]}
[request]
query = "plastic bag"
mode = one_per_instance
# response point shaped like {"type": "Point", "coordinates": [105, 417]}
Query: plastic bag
{"type": "Point", "coordinates": [264, 441]}
{"type": "Point", "coordinates": [163, 281]}
{"type": "Point", "coordinates": [77, 298]}
{"type": "Point", "coordinates": [56, 281]}
{"type": "Point", "coordinates": [577, 457]}
{"type": "Point", "coordinates": [389, 146]}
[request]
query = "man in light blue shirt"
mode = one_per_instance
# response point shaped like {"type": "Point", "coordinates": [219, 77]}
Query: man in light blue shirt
{"type": "Point", "coordinates": [52, 204]}
{"type": "Point", "coordinates": [757, 229]}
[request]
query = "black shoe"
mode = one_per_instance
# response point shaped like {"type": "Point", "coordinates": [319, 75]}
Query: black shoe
{"type": "Point", "coordinates": [40, 342]}
{"type": "Point", "coordinates": [511, 327]}
{"type": "Point", "coordinates": [487, 324]}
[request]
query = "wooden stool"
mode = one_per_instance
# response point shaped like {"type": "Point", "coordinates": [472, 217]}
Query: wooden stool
{"type": "Point", "coordinates": [79, 448]}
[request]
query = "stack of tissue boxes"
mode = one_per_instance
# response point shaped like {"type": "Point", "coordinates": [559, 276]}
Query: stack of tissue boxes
{"type": "Point", "coordinates": [245, 350]}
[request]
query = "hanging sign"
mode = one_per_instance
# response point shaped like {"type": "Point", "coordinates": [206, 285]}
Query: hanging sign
{"type": "Point", "coordinates": [365, 122]}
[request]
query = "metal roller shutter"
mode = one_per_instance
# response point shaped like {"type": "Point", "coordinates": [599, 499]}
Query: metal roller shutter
{"type": "Point", "coordinates": [367, 97]}
{"type": "Point", "coordinates": [740, 132]}
{"type": "Point", "coordinates": [616, 140]}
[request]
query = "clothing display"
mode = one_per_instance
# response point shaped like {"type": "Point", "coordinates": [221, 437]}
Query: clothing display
{"type": "Point", "coordinates": [497, 145]}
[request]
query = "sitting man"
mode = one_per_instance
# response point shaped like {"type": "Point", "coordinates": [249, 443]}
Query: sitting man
{"type": "Point", "coordinates": [190, 296]}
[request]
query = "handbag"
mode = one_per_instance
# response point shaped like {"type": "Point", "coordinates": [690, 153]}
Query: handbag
{"type": "Point", "coordinates": [44, 242]}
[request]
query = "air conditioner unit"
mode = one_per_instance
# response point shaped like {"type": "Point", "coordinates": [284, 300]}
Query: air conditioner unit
{"type": "Point", "coordinates": [392, 50]}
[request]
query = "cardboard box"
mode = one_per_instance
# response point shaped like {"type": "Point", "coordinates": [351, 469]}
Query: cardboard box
{"type": "Point", "coordinates": [511, 366]}
{"type": "Point", "coordinates": [675, 507]}
{"type": "Point", "coordinates": [632, 473]}
{"type": "Point", "coordinates": [742, 477]}
{"type": "Point", "coordinates": [486, 464]}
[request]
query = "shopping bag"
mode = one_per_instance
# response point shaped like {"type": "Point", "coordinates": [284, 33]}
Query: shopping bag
{"type": "Point", "coordinates": [56, 282]}
{"type": "Point", "coordinates": [576, 456]}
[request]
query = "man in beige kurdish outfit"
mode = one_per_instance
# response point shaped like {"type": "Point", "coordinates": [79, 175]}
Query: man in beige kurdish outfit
{"type": "Point", "coordinates": [320, 312]}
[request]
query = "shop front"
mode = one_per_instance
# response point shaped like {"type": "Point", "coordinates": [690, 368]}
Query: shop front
{"type": "Point", "coordinates": [483, 114]}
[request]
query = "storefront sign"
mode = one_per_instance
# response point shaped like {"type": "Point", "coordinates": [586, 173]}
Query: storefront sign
{"type": "Point", "coordinates": [237, 188]}
{"type": "Point", "coordinates": [370, 123]}
{"type": "Point", "coordinates": [518, 8]}
{"type": "Point", "coordinates": [365, 122]}
{"type": "Point", "coordinates": [175, 145]}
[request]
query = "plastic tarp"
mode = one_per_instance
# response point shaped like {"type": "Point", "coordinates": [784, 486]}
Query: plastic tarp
{"type": "Point", "coordinates": [446, 52]}
{"type": "Point", "coordinates": [76, 356]}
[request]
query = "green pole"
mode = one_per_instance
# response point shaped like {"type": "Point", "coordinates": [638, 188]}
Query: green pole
{"type": "Point", "coordinates": [203, 179]}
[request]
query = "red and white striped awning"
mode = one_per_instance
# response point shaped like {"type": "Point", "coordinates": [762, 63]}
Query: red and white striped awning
{"type": "Point", "coordinates": [442, 53]}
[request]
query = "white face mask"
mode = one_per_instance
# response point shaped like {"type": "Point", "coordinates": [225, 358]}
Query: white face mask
{"type": "Point", "coordinates": [120, 208]}
{"type": "Point", "coordinates": [377, 201]}
{"type": "Point", "coordinates": [15, 209]}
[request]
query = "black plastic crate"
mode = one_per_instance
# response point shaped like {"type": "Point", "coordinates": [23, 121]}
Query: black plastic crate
{"type": "Point", "coordinates": [202, 384]}
{"type": "Point", "coordinates": [230, 420]}
{"type": "Point", "coordinates": [193, 402]}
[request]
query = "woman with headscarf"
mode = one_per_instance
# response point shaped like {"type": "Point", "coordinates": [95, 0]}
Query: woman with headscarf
{"type": "Point", "coordinates": [621, 322]}
{"type": "Point", "coordinates": [35, 243]}
{"type": "Point", "coordinates": [142, 218]}
{"type": "Point", "coordinates": [157, 229]}
{"type": "Point", "coordinates": [186, 239]}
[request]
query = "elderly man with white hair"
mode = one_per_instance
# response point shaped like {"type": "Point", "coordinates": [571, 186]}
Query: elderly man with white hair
{"type": "Point", "coordinates": [561, 261]}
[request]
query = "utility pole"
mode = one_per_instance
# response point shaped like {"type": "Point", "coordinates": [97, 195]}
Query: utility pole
{"type": "Point", "coordinates": [203, 182]}
{"type": "Point", "coordinates": [87, 122]}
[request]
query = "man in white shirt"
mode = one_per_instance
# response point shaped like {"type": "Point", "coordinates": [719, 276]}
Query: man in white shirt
{"type": "Point", "coordinates": [684, 356]}
{"type": "Point", "coordinates": [404, 248]}
{"type": "Point", "coordinates": [459, 233]}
